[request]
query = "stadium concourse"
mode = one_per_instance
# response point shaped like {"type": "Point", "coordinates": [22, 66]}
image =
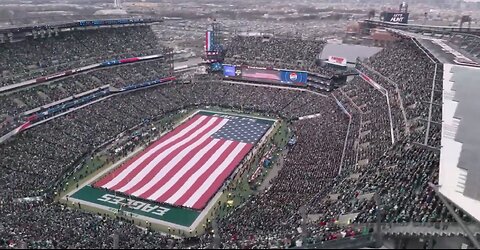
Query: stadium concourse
{"type": "Point", "coordinates": [340, 158]}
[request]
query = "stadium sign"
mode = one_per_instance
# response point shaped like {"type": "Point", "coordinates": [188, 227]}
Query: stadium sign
{"type": "Point", "coordinates": [238, 72]}
{"type": "Point", "coordinates": [396, 17]}
{"type": "Point", "coordinates": [290, 77]}
{"type": "Point", "coordinates": [111, 201]}
{"type": "Point", "coordinates": [293, 76]}
{"type": "Point", "coordinates": [339, 61]}
{"type": "Point", "coordinates": [134, 205]}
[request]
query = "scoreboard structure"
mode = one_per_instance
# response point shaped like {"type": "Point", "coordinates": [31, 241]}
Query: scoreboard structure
{"type": "Point", "coordinates": [278, 76]}
{"type": "Point", "coordinates": [400, 16]}
{"type": "Point", "coordinates": [213, 43]}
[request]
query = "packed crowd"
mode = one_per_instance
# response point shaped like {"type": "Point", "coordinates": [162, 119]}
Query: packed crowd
{"type": "Point", "coordinates": [273, 51]}
{"type": "Point", "coordinates": [405, 64]}
{"type": "Point", "coordinates": [399, 119]}
{"type": "Point", "coordinates": [350, 157]}
{"type": "Point", "coordinates": [401, 174]}
{"type": "Point", "coordinates": [340, 159]}
{"type": "Point", "coordinates": [312, 164]}
{"type": "Point", "coordinates": [398, 173]}
{"type": "Point", "coordinates": [40, 155]}
{"type": "Point", "coordinates": [118, 76]}
{"type": "Point", "coordinates": [52, 226]}
{"type": "Point", "coordinates": [30, 58]}
{"type": "Point", "coordinates": [375, 137]}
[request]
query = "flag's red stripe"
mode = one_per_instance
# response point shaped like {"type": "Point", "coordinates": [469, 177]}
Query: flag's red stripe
{"type": "Point", "coordinates": [143, 164]}
{"type": "Point", "coordinates": [170, 156]}
{"type": "Point", "coordinates": [164, 197]}
{"type": "Point", "coordinates": [205, 175]}
{"type": "Point", "coordinates": [177, 130]}
{"type": "Point", "coordinates": [202, 202]}
{"type": "Point", "coordinates": [181, 164]}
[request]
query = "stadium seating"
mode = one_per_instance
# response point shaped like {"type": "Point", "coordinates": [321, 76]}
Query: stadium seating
{"type": "Point", "coordinates": [340, 159]}
{"type": "Point", "coordinates": [118, 76]}
{"type": "Point", "coordinates": [73, 135]}
{"type": "Point", "coordinates": [273, 52]}
{"type": "Point", "coordinates": [56, 226]}
{"type": "Point", "coordinates": [414, 81]}
{"type": "Point", "coordinates": [31, 58]}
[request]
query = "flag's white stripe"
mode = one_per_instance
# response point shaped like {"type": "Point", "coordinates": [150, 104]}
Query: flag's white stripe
{"type": "Point", "coordinates": [192, 162]}
{"type": "Point", "coordinates": [177, 158]}
{"type": "Point", "coordinates": [135, 164]}
{"type": "Point", "coordinates": [171, 164]}
{"type": "Point", "coordinates": [211, 178]}
{"type": "Point", "coordinates": [166, 153]}
{"type": "Point", "coordinates": [208, 41]}
{"type": "Point", "coordinates": [191, 180]}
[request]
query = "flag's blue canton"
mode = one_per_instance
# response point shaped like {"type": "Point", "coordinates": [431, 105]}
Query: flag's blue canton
{"type": "Point", "coordinates": [242, 129]}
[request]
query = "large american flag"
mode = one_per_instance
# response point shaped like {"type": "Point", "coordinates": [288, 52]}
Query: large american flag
{"type": "Point", "coordinates": [187, 166]}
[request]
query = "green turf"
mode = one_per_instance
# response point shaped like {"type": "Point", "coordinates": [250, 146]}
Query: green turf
{"type": "Point", "coordinates": [240, 191]}
{"type": "Point", "coordinates": [112, 200]}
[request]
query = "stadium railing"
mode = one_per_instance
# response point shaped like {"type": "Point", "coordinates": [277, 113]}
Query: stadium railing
{"type": "Point", "coordinates": [353, 242]}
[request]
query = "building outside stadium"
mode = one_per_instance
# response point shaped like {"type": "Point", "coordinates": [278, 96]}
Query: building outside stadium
{"type": "Point", "coordinates": [177, 180]}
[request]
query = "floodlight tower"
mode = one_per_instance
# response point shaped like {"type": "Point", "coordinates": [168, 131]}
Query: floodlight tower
{"type": "Point", "coordinates": [117, 3]}
{"type": "Point", "coordinates": [214, 42]}
{"type": "Point", "coordinates": [403, 7]}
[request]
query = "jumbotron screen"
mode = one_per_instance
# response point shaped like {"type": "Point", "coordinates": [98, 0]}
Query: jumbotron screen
{"type": "Point", "coordinates": [266, 74]}
{"type": "Point", "coordinates": [279, 76]}
{"type": "Point", "coordinates": [228, 70]}
{"type": "Point", "coordinates": [292, 77]}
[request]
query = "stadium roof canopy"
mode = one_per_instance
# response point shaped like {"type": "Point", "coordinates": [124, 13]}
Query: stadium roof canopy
{"type": "Point", "coordinates": [460, 152]}
{"type": "Point", "coordinates": [348, 51]}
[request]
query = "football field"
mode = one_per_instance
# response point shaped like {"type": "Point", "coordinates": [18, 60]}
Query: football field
{"type": "Point", "coordinates": [178, 176]}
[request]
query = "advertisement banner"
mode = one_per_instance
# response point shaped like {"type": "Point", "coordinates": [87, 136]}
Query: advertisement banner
{"type": "Point", "coordinates": [228, 70]}
{"type": "Point", "coordinates": [112, 201]}
{"type": "Point", "coordinates": [110, 63]}
{"type": "Point", "coordinates": [58, 75]}
{"type": "Point", "coordinates": [293, 77]}
{"type": "Point", "coordinates": [278, 76]}
{"type": "Point", "coordinates": [129, 60]}
{"type": "Point", "coordinates": [336, 60]}
{"type": "Point", "coordinates": [396, 17]}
